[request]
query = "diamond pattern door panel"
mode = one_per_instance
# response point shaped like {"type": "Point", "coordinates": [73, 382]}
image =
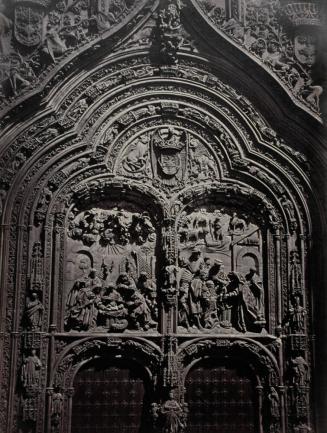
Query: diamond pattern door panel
{"type": "Point", "coordinates": [109, 397]}
{"type": "Point", "coordinates": [220, 399]}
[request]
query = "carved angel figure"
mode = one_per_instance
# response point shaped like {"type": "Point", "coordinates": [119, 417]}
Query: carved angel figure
{"type": "Point", "coordinates": [136, 159]}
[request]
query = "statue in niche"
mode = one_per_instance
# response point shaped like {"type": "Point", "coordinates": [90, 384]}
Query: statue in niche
{"type": "Point", "coordinates": [34, 312]}
{"type": "Point", "coordinates": [255, 308]}
{"type": "Point", "coordinates": [170, 280]}
{"type": "Point", "coordinates": [169, 415]}
{"type": "Point", "coordinates": [273, 401]}
{"type": "Point", "coordinates": [299, 371]}
{"type": "Point", "coordinates": [57, 405]}
{"type": "Point", "coordinates": [30, 373]}
{"type": "Point", "coordinates": [295, 273]}
{"type": "Point", "coordinates": [295, 318]}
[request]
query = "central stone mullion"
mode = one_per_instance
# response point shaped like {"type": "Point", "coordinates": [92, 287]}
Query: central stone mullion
{"type": "Point", "coordinates": [169, 281]}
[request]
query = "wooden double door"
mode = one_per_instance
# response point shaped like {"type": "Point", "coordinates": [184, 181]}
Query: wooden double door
{"type": "Point", "coordinates": [114, 396]}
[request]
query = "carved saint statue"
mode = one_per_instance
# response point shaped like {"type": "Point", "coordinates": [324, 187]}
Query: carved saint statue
{"type": "Point", "coordinates": [57, 402]}
{"type": "Point", "coordinates": [169, 415]}
{"type": "Point", "coordinates": [299, 371]}
{"type": "Point", "coordinates": [33, 312]}
{"type": "Point", "coordinates": [296, 317]}
{"type": "Point", "coordinates": [296, 273]}
{"type": "Point", "coordinates": [255, 286]}
{"type": "Point", "coordinates": [30, 373]}
{"type": "Point", "coordinates": [273, 400]}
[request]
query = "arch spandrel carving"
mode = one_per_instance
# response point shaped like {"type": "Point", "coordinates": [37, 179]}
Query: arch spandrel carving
{"type": "Point", "coordinates": [132, 168]}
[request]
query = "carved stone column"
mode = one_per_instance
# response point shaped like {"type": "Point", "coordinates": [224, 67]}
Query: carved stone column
{"type": "Point", "coordinates": [57, 251]}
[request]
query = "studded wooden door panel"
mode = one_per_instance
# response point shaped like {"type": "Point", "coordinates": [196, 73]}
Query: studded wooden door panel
{"type": "Point", "coordinates": [220, 399]}
{"type": "Point", "coordinates": [109, 398]}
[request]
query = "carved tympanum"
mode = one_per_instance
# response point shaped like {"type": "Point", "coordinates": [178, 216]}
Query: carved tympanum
{"type": "Point", "coordinates": [168, 155]}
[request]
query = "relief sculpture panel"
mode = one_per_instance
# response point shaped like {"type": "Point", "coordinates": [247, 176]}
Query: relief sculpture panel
{"type": "Point", "coordinates": [221, 274]}
{"type": "Point", "coordinates": [110, 271]}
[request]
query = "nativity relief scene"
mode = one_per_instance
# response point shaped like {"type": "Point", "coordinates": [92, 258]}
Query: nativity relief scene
{"type": "Point", "coordinates": [111, 271]}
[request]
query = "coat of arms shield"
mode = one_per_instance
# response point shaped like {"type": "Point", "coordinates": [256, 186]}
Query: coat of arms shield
{"type": "Point", "coordinates": [28, 25]}
{"type": "Point", "coordinates": [169, 153]}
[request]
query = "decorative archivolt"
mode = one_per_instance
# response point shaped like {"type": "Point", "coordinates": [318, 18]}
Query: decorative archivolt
{"type": "Point", "coordinates": [232, 136]}
{"type": "Point", "coordinates": [262, 360]}
{"type": "Point", "coordinates": [78, 353]}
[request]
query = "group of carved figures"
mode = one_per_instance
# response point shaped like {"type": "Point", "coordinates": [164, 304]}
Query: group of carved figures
{"type": "Point", "coordinates": [209, 298]}
{"type": "Point", "coordinates": [111, 227]}
{"type": "Point", "coordinates": [51, 34]}
{"type": "Point", "coordinates": [126, 304]}
{"type": "Point", "coordinates": [262, 32]}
